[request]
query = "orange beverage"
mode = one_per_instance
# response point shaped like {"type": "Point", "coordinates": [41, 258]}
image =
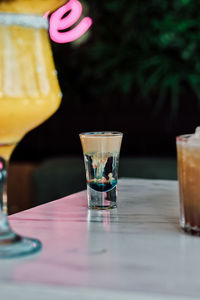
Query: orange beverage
{"type": "Point", "coordinates": [29, 90]}
{"type": "Point", "coordinates": [188, 151]}
{"type": "Point", "coordinates": [29, 94]}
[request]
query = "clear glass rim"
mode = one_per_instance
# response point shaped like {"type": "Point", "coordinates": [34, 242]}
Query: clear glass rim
{"type": "Point", "coordinates": [183, 137]}
{"type": "Point", "coordinates": [101, 134]}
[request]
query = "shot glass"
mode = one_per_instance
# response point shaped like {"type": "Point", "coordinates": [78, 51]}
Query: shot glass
{"type": "Point", "coordinates": [188, 154]}
{"type": "Point", "coordinates": [101, 156]}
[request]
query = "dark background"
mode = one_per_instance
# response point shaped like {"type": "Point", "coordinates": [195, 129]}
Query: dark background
{"type": "Point", "coordinates": [137, 71]}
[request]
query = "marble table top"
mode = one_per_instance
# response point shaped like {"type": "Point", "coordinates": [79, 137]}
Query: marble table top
{"type": "Point", "coordinates": [136, 251]}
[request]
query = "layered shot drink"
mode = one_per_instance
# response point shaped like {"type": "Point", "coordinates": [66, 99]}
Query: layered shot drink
{"type": "Point", "coordinates": [188, 151]}
{"type": "Point", "coordinates": [101, 155]}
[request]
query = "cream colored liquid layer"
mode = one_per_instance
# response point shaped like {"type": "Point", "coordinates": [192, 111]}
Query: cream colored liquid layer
{"type": "Point", "coordinates": [29, 90]}
{"type": "Point", "coordinates": [189, 179]}
{"type": "Point", "coordinates": [102, 144]}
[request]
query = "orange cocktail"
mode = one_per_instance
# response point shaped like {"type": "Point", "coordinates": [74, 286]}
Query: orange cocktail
{"type": "Point", "coordinates": [29, 94]}
{"type": "Point", "coordinates": [188, 152]}
{"type": "Point", "coordinates": [29, 91]}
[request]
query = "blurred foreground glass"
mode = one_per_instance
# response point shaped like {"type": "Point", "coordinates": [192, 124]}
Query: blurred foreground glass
{"type": "Point", "coordinates": [29, 94]}
{"type": "Point", "coordinates": [101, 156]}
{"type": "Point", "coordinates": [188, 153]}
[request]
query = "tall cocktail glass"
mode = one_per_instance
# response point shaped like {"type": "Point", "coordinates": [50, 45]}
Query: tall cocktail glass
{"type": "Point", "coordinates": [29, 94]}
{"type": "Point", "coordinates": [188, 151]}
{"type": "Point", "coordinates": [101, 155]}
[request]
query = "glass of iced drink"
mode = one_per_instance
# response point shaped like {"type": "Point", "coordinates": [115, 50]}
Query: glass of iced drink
{"type": "Point", "coordinates": [188, 151]}
{"type": "Point", "coordinates": [101, 156]}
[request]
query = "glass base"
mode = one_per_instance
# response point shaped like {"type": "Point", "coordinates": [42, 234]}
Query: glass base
{"type": "Point", "coordinates": [194, 230]}
{"type": "Point", "coordinates": [13, 245]}
{"type": "Point", "coordinates": [102, 200]}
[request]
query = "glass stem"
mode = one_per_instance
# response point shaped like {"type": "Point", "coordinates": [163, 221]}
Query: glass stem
{"type": "Point", "coordinates": [4, 225]}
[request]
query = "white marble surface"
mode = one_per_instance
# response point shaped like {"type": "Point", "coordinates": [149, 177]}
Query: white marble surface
{"type": "Point", "coordinates": [136, 251]}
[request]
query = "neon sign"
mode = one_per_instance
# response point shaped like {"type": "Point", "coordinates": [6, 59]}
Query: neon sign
{"type": "Point", "coordinates": [58, 22]}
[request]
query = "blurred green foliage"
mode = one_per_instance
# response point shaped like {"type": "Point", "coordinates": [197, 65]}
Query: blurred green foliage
{"type": "Point", "coordinates": [145, 47]}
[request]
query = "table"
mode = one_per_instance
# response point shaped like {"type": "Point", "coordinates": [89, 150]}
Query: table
{"type": "Point", "coordinates": [136, 251]}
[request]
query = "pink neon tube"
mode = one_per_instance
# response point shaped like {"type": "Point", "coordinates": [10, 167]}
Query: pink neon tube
{"type": "Point", "coordinates": [57, 22]}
